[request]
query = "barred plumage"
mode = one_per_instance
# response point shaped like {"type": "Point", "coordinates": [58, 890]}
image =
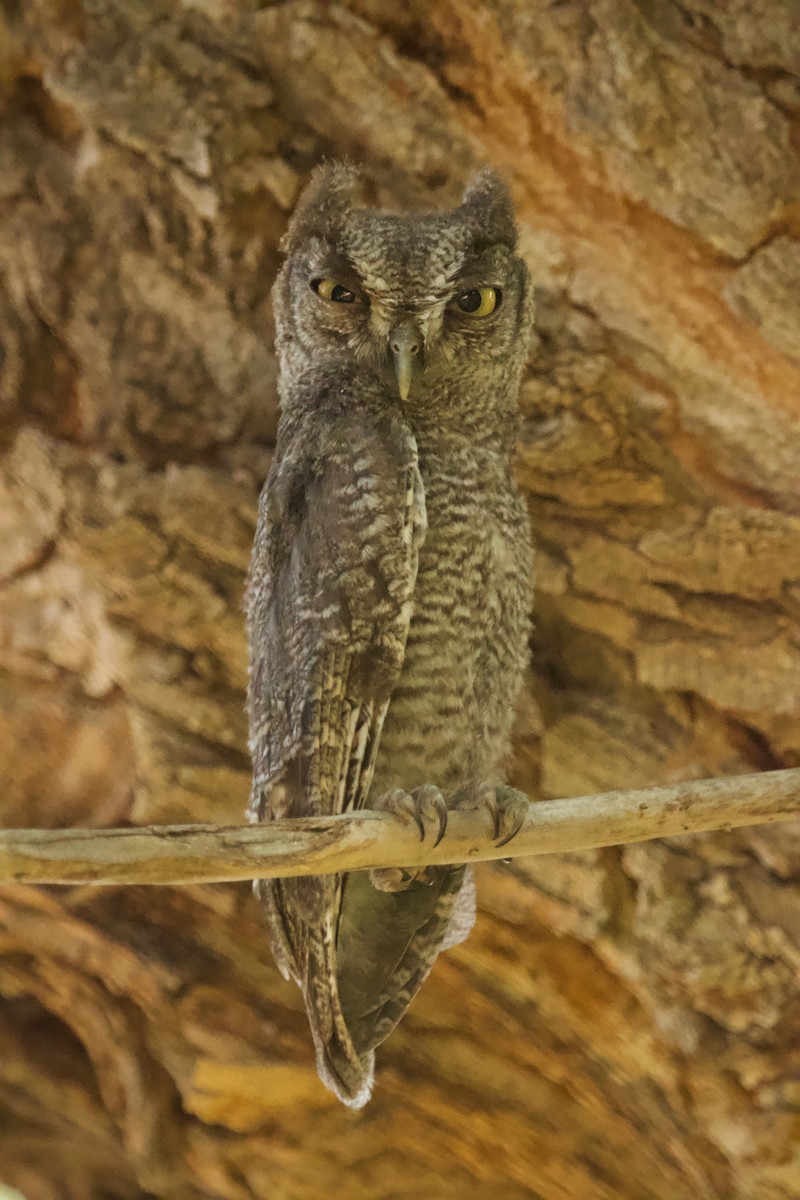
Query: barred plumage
{"type": "Point", "coordinates": [390, 581]}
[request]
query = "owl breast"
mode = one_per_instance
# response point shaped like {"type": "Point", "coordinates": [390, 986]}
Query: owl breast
{"type": "Point", "coordinates": [450, 714]}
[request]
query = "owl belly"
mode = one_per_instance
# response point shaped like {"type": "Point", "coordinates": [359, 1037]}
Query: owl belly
{"type": "Point", "coordinates": [450, 715]}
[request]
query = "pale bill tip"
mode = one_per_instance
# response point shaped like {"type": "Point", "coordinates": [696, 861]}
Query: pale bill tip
{"type": "Point", "coordinates": [403, 369]}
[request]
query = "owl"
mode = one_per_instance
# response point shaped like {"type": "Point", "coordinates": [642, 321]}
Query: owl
{"type": "Point", "coordinates": [389, 586]}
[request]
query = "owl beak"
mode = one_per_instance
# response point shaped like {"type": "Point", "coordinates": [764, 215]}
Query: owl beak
{"type": "Point", "coordinates": [405, 344]}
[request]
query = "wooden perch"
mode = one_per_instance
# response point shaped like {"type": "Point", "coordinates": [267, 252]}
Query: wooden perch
{"type": "Point", "coordinates": [172, 854]}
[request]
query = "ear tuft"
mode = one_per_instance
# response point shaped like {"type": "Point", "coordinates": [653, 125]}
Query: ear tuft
{"type": "Point", "coordinates": [488, 205]}
{"type": "Point", "coordinates": [325, 200]}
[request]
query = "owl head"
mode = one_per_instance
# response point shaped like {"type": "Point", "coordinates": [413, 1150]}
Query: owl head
{"type": "Point", "coordinates": [421, 300]}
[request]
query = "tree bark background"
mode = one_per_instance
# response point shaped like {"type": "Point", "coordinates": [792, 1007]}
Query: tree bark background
{"type": "Point", "coordinates": [622, 1024]}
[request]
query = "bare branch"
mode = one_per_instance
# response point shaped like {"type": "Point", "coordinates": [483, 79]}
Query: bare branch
{"type": "Point", "coordinates": [173, 854]}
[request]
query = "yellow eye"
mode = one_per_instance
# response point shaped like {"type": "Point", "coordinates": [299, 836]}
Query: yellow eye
{"type": "Point", "coordinates": [479, 302]}
{"type": "Point", "coordinates": [329, 289]}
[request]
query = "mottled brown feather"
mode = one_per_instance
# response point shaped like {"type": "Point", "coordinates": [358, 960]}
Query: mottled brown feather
{"type": "Point", "coordinates": [381, 659]}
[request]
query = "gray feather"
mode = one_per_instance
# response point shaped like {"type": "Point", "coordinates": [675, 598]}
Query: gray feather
{"type": "Point", "coordinates": [387, 645]}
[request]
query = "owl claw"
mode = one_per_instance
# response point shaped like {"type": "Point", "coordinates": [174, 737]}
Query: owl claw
{"type": "Point", "coordinates": [425, 803]}
{"type": "Point", "coordinates": [514, 807]}
{"type": "Point", "coordinates": [391, 879]}
{"type": "Point", "coordinates": [506, 807]}
{"type": "Point", "coordinates": [401, 804]}
{"type": "Point", "coordinates": [430, 802]}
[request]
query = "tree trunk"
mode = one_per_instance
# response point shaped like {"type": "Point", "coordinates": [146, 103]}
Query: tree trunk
{"type": "Point", "coordinates": [623, 1023]}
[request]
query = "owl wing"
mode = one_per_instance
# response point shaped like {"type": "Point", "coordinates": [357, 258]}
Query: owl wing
{"type": "Point", "coordinates": [329, 600]}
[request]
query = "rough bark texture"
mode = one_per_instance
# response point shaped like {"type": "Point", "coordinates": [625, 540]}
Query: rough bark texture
{"type": "Point", "coordinates": [623, 1023]}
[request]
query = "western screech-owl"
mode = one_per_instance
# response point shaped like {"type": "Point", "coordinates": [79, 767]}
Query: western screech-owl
{"type": "Point", "coordinates": [389, 587]}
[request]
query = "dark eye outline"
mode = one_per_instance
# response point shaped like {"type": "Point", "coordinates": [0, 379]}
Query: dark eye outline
{"type": "Point", "coordinates": [496, 299]}
{"type": "Point", "coordinates": [327, 289]}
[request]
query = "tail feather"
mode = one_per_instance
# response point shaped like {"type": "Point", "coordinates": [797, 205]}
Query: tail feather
{"type": "Point", "coordinates": [341, 1067]}
{"type": "Point", "coordinates": [305, 952]}
{"type": "Point", "coordinates": [360, 956]}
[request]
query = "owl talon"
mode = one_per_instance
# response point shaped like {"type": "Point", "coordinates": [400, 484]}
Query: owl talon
{"type": "Point", "coordinates": [481, 798]}
{"type": "Point", "coordinates": [391, 879]}
{"type": "Point", "coordinates": [513, 808]}
{"type": "Point", "coordinates": [401, 804]}
{"type": "Point", "coordinates": [506, 807]}
{"type": "Point", "coordinates": [425, 803]}
{"type": "Point", "coordinates": [430, 802]}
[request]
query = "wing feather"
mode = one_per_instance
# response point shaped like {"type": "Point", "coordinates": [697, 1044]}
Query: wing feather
{"type": "Point", "coordinates": [329, 603]}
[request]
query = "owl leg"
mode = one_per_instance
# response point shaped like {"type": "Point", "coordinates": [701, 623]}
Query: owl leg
{"type": "Point", "coordinates": [506, 808]}
{"type": "Point", "coordinates": [425, 803]}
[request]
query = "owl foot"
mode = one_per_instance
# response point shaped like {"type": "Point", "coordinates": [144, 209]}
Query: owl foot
{"type": "Point", "coordinates": [425, 803]}
{"type": "Point", "coordinates": [392, 879]}
{"type": "Point", "coordinates": [506, 807]}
